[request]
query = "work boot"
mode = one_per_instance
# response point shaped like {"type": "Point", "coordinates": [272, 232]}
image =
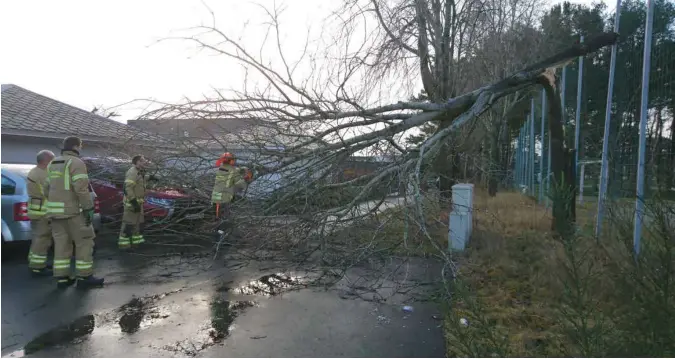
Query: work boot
{"type": "Point", "coordinates": [89, 282]}
{"type": "Point", "coordinates": [42, 272]}
{"type": "Point", "coordinates": [64, 282]}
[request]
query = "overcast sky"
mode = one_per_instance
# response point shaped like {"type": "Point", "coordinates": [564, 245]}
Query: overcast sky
{"type": "Point", "coordinates": [91, 53]}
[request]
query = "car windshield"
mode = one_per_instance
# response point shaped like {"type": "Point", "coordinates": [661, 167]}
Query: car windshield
{"type": "Point", "coordinates": [20, 169]}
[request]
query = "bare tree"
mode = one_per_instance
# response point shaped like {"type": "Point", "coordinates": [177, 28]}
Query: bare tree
{"type": "Point", "coordinates": [309, 123]}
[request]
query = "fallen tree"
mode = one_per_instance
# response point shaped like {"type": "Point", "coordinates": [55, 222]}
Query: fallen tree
{"type": "Point", "coordinates": [297, 132]}
{"type": "Point", "coordinates": [313, 128]}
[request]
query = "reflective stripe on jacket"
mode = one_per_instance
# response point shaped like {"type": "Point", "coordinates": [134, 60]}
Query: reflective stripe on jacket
{"type": "Point", "coordinates": [67, 186]}
{"type": "Point", "coordinates": [134, 186]}
{"type": "Point", "coordinates": [37, 202]}
{"type": "Point", "coordinates": [228, 181]}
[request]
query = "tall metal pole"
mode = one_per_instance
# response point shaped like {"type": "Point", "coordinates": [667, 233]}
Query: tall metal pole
{"type": "Point", "coordinates": [577, 127]}
{"type": "Point", "coordinates": [548, 162]}
{"type": "Point", "coordinates": [581, 183]}
{"type": "Point", "coordinates": [526, 176]}
{"type": "Point", "coordinates": [525, 158]}
{"type": "Point", "coordinates": [532, 157]}
{"type": "Point", "coordinates": [529, 150]}
{"type": "Point", "coordinates": [563, 91]}
{"type": "Point", "coordinates": [604, 168]}
{"type": "Point", "coordinates": [516, 176]}
{"type": "Point", "coordinates": [644, 107]}
{"type": "Point", "coordinates": [517, 161]}
{"type": "Point", "coordinates": [543, 147]}
{"type": "Point", "coordinates": [548, 172]}
{"type": "Point", "coordinates": [520, 159]}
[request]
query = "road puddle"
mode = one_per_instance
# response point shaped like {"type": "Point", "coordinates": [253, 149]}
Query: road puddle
{"type": "Point", "coordinates": [138, 313]}
{"type": "Point", "coordinates": [67, 333]}
{"type": "Point", "coordinates": [183, 325]}
{"type": "Point", "coordinates": [272, 285]}
{"type": "Point", "coordinates": [223, 313]}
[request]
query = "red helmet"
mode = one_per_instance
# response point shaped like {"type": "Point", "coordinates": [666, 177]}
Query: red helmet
{"type": "Point", "coordinates": [227, 158]}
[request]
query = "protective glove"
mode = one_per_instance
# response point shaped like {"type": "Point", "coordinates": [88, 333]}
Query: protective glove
{"type": "Point", "coordinates": [135, 205]}
{"type": "Point", "coordinates": [88, 216]}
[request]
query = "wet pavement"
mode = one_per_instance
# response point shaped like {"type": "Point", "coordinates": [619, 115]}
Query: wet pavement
{"type": "Point", "coordinates": [183, 305]}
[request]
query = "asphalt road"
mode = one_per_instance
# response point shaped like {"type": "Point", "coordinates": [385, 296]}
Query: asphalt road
{"type": "Point", "coordinates": [161, 305]}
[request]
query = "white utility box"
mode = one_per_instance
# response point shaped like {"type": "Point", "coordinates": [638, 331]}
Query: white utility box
{"type": "Point", "coordinates": [461, 217]}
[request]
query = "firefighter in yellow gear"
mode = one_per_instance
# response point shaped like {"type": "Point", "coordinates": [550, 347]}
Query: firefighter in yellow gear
{"type": "Point", "coordinates": [134, 197]}
{"type": "Point", "coordinates": [229, 180]}
{"type": "Point", "coordinates": [71, 210]}
{"type": "Point", "coordinates": [37, 212]}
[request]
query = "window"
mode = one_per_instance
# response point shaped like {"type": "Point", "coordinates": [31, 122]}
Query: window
{"type": "Point", "coordinates": [8, 186]}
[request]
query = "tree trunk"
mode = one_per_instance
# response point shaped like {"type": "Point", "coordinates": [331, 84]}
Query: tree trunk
{"type": "Point", "coordinates": [446, 164]}
{"type": "Point", "coordinates": [562, 162]}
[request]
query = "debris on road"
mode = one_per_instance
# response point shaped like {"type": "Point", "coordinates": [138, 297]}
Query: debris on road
{"type": "Point", "coordinates": [407, 308]}
{"type": "Point", "coordinates": [272, 285]}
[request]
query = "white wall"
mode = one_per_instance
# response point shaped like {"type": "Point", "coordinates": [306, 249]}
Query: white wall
{"type": "Point", "coordinates": [24, 150]}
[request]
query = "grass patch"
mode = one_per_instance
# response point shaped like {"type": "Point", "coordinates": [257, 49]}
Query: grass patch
{"type": "Point", "coordinates": [527, 293]}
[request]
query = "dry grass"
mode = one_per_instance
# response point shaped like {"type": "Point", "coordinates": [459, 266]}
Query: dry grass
{"type": "Point", "coordinates": [510, 270]}
{"type": "Point", "coordinates": [512, 277]}
{"type": "Point", "coordinates": [507, 268]}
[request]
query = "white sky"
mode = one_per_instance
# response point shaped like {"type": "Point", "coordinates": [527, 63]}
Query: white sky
{"type": "Point", "coordinates": [93, 53]}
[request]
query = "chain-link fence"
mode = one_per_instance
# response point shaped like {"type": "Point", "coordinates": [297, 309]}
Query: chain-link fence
{"type": "Point", "coordinates": [590, 116]}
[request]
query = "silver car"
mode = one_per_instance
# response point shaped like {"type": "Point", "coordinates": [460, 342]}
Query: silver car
{"type": "Point", "coordinates": [15, 221]}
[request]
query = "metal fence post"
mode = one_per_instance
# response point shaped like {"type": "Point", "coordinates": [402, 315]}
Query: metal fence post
{"type": "Point", "coordinates": [577, 127]}
{"type": "Point", "coordinates": [529, 151]}
{"type": "Point", "coordinates": [644, 107]}
{"type": "Point", "coordinates": [581, 183]}
{"type": "Point", "coordinates": [548, 162]}
{"type": "Point", "coordinates": [520, 159]}
{"type": "Point", "coordinates": [525, 157]}
{"type": "Point", "coordinates": [517, 162]}
{"type": "Point", "coordinates": [604, 168]}
{"type": "Point", "coordinates": [542, 179]}
{"type": "Point", "coordinates": [563, 91]}
{"type": "Point", "coordinates": [532, 156]}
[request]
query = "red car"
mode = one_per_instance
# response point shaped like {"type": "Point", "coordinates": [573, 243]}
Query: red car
{"type": "Point", "coordinates": [107, 178]}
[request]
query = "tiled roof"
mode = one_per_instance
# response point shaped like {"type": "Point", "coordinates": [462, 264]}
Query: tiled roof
{"type": "Point", "coordinates": [24, 110]}
{"type": "Point", "coordinates": [194, 128]}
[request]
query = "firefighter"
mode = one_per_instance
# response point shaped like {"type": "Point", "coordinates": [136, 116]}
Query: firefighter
{"type": "Point", "coordinates": [71, 210]}
{"type": "Point", "coordinates": [229, 180]}
{"type": "Point", "coordinates": [247, 176]}
{"type": "Point", "coordinates": [37, 211]}
{"type": "Point", "coordinates": [133, 218]}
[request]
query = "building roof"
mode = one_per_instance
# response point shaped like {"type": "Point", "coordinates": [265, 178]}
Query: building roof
{"type": "Point", "coordinates": [215, 133]}
{"type": "Point", "coordinates": [26, 113]}
{"type": "Point", "coordinates": [199, 128]}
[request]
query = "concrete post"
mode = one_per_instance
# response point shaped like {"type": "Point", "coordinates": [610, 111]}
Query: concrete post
{"type": "Point", "coordinates": [461, 217]}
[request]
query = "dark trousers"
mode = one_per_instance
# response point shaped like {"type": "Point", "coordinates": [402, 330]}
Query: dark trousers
{"type": "Point", "coordinates": [223, 216]}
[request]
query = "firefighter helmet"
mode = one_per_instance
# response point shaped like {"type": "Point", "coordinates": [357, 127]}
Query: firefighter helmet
{"type": "Point", "coordinates": [225, 158]}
